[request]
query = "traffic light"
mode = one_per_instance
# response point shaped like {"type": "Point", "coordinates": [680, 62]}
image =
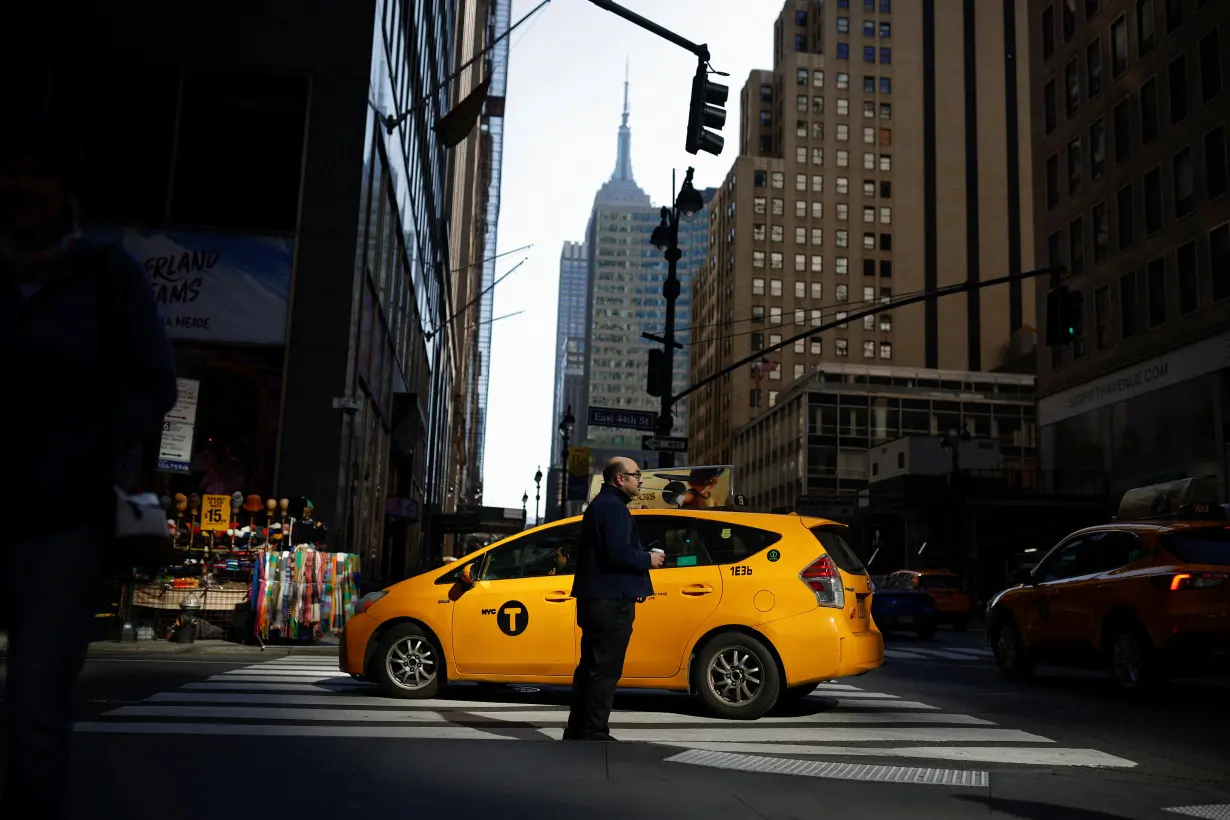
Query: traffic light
{"type": "Point", "coordinates": [659, 382]}
{"type": "Point", "coordinates": [1065, 316]}
{"type": "Point", "coordinates": [706, 112]}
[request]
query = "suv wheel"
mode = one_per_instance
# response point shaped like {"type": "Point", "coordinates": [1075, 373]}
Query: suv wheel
{"type": "Point", "coordinates": [738, 677]}
{"type": "Point", "coordinates": [1133, 660]}
{"type": "Point", "coordinates": [1013, 657]}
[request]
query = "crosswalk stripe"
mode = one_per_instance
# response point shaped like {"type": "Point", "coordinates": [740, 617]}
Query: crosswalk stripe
{"type": "Point", "coordinates": [902, 654]}
{"type": "Point", "coordinates": [292, 730]}
{"type": "Point", "coordinates": [1006, 755]}
{"type": "Point", "coordinates": [265, 686]}
{"type": "Point", "coordinates": [844, 734]}
{"type": "Point", "coordinates": [283, 673]}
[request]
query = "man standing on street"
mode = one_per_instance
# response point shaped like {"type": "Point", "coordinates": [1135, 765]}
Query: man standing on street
{"type": "Point", "coordinates": [612, 573]}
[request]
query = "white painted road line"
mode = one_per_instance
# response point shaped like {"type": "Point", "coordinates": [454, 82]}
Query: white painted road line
{"type": "Point", "coordinates": [285, 673]}
{"type": "Point", "coordinates": [291, 730]}
{"type": "Point", "coordinates": [628, 718]}
{"type": "Point", "coordinates": [835, 771]}
{"type": "Point", "coordinates": [265, 686]}
{"type": "Point", "coordinates": [807, 734]}
{"type": "Point", "coordinates": [850, 703]}
{"type": "Point", "coordinates": [852, 695]}
{"type": "Point", "coordinates": [1212, 811]}
{"type": "Point", "coordinates": [1007, 755]}
{"type": "Point", "coordinates": [903, 655]}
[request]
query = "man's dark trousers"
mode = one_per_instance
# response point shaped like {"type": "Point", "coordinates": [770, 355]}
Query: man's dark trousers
{"type": "Point", "coordinates": [606, 628]}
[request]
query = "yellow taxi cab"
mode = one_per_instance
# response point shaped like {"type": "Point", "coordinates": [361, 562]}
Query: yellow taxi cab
{"type": "Point", "coordinates": [1147, 595]}
{"type": "Point", "coordinates": [749, 609]}
{"type": "Point", "coordinates": [953, 605]}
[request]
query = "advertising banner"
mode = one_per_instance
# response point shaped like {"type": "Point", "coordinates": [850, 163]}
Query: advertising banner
{"type": "Point", "coordinates": [212, 287]}
{"type": "Point", "coordinates": [680, 488]}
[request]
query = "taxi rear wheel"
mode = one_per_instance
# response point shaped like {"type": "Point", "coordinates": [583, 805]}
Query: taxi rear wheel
{"type": "Point", "coordinates": [408, 664]}
{"type": "Point", "coordinates": [738, 677]}
{"type": "Point", "coordinates": [1133, 661]}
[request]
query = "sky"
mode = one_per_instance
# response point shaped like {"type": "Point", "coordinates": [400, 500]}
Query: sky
{"type": "Point", "coordinates": [565, 95]}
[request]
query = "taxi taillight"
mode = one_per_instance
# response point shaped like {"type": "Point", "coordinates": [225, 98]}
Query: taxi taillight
{"type": "Point", "coordinates": [1197, 580]}
{"type": "Point", "coordinates": [824, 580]}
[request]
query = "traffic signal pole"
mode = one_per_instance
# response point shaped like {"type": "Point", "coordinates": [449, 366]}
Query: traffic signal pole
{"type": "Point", "coordinates": [700, 50]}
{"type": "Point", "coordinates": [962, 287]}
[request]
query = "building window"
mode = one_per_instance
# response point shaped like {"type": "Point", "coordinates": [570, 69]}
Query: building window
{"type": "Point", "coordinates": [843, 51]}
{"type": "Point", "coordinates": [1174, 15]}
{"type": "Point", "coordinates": [843, 293]}
{"type": "Point", "coordinates": [1076, 246]}
{"type": "Point", "coordinates": [1101, 317]}
{"type": "Point", "coordinates": [1068, 15]}
{"type": "Point", "coordinates": [817, 79]}
{"type": "Point", "coordinates": [777, 233]}
{"type": "Point", "coordinates": [817, 156]}
{"type": "Point", "coordinates": [800, 76]}
{"type": "Point", "coordinates": [1184, 183]}
{"type": "Point", "coordinates": [775, 260]}
{"type": "Point", "coordinates": [757, 341]}
{"type": "Point", "coordinates": [1219, 261]}
{"type": "Point", "coordinates": [1129, 301]}
{"type": "Point", "coordinates": [869, 84]}
{"type": "Point", "coordinates": [843, 265]}
{"type": "Point", "coordinates": [1097, 151]}
{"type": "Point", "coordinates": [779, 206]}
{"type": "Point", "coordinates": [843, 25]}
{"type": "Point", "coordinates": [754, 398]}
{"type": "Point", "coordinates": [1156, 275]}
{"type": "Point", "coordinates": [886, 111]}
{"type": "Point", "coordinates": [843, 132]}
{"type": "Point", "coordinates": [817, 236]}
{"type": "Point", "coordinates": [800, 315]}
{"type": "Point", "coordinates": [800, 346]}
{"type": "Point", "coordinates": [886, 323]}
{"type": "Point", "coordinates": [1215, 176]}
{"type": "Point", "coordinates": [1050, 106]}
{"type": "Point", "coordinates": [1093, 67]}
{"type": "Point", "coordinates": [869, 213]}
{"type": "Point", "coordinates": [886, 85]}
{"type": "Point", "coordinates": [1118, 47]}
{"type": "Point", "coordinates": [1123, 130]}
{"type": "Point", "coordinates": [800, 208]}
{"type": "Point", "coordinates": [886, 136]}
{"type": "Point", "coordinates": [758, 205]}
{"type": "Point", "coordinates": [886, 268]}
{"type": "Point", "coordinates": [869, 267]}
{"type": "Point", "coordinates": [1189, 288]}
{"type": "Point", "coordinates": [766, 119]}
{"type": "Point", "coordinates": [817, 184]}
{"type": "Point", "coordinates": [800, 265]}
{"type": "Point", "coordinates": [1177, 74]}
{"type": "Point", "coordinates": [1048, 32]}
{"type": "Point", "coordinates": [1210, 66]}
{"type": "Point", "coordinates": [1150, 124]}
{"type": "Point", "coordinates": [886, 215]}
{"type": "Point", "coordinates": [1153, 200]}
{"type": "Point", "coordinates": [843, 348]}
{"type": "Point", "coordinates": [886, 350]}
{"type": "Point", "coordinates": [1074, 166]}
{"type": "Point", "coordinates": [800, 236]}
{"type": "Point", "coordinates": [817, 266]}
{"type": "Point", "coordinates": [869, 350]}
{"type": "Point", "coordinates": [843, 158]}
{"type": "Point", "coordinates": [773, 396]}
{"type": "Point", "coordinates": [800, 42]}
{"type": "Point", "coordinates": [798, 372]}
{"type": "Point", "coordinates": [843, 80]}
{"type": "Point", "coordinates": [886, 241]}
{"type": "Point", "coordinates": [1101, 232]}
{"type": "Point", "coordinates": [886, 162]}
{"type": "Point", "coordinates": [1146, 27]}
{"type": "Point", "coordinates": [843, 239]}
{"type": "Point", "coordinates": [869, 241]}
{"type": "Point", "coordinates": [779, 179]}
{"type": "Point", "coordinates": [800, 287]}
{"type": "Point", "coordinates": [757, 286]}
{"type": "Point", "coordinates": [1072, 88]}
{"type": "Point", "coordinates": [886, 55]}
{"type": "Point", "coordinates": [757, 313]}
{"type": "Point", "coordinates": [869, 54]}
{"type": "Point", "coordinates": [869, 134]}
{"type": "Point", "coordinates": [815, 346]}
{"type": "Point", "coordinates": [800, 103]}
{"type": "Point", "coordinates": [775, 315]}
{"type": "Point", "coordinates": [775, 287]}
{"type": "Point", "coordinates": [869, 188]}
{"type": "Point", "coordinates": [800, 182]}
{"type": "Point", "coordinates": [758, 231]}
{"type": "Point", "coordinates": [869, 28]}
{"type": "Point", "coordinates": [886, 6]}
{"type": "Point", "coordinates": [869, 162]}
{"type": "Point", "coordinates": [817, 105]}
{"type": "Point", "coordinates": [1127, 217]}
{"type": "Point", "coordinates": [757, 259]}
{"type": "Point", "coordinates": [1052, 181]}
{"type": "Point", "coordinates": [843, 107]}
{"type": "Point", "coordinates": [886, 31]}
{"type": "Point", "coordinates": [817, 209]}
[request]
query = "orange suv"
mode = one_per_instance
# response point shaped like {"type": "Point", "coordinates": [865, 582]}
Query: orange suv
{"type": "Point", "coordinates": [1147, 595]}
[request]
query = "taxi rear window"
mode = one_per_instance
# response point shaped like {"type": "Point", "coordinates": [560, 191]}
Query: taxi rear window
{"type": "Point", "coordinates": [1206, 545]}
{"type": "Point", "coordinates": [843, 554]}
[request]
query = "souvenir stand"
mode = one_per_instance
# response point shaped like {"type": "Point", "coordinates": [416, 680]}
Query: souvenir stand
{"type": "Point", "coordinates": [250, 570]}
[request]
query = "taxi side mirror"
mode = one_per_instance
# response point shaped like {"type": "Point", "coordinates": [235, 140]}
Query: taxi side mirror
{"type": "Point", "coordinates": [467, 575]}
{"type": "Point", "coordinates": [1023, 576]}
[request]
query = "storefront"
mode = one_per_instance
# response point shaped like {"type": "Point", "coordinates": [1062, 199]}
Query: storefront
{"type": "Point", "coordinates": [254, 559]}
{"type": "Point", "coordinates": [1161, 419]}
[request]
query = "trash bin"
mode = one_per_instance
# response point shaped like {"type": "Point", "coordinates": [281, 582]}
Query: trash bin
{"type": "Point", "coordinates": [189, 612]}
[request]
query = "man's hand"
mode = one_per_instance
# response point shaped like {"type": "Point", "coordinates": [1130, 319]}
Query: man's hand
{"type": "Point", "coordinates": [656, 559]}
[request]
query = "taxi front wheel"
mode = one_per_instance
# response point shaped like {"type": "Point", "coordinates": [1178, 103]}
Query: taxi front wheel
{"type": "Point", "coordinates": [408, 664]}
{"type": "Point", "coordinates": [738, 677]}
{"type": "Point", "coordinates": [1013, 657]}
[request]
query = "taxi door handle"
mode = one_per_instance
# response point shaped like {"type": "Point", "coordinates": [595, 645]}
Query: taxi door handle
{"type": "Point", "coordinates": [558, 597]}
{"type": "Point", "coordinates": [697, 589]}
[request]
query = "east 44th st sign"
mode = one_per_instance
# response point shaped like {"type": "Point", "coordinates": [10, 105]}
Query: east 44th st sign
{"type": "Point", "coordinates": [627, 419]}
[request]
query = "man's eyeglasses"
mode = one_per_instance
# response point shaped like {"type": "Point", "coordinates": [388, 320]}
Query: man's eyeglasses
{"type": "Point", "coordinates": [636, 475]}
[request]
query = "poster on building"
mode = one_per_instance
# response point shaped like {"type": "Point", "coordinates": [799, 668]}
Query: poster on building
{"type": "Point", "coordinates": [175, 447]}
{"type": "Point", "coordinates": [212, 287]}
{"type": "Point", "coordinates": [680, 488]}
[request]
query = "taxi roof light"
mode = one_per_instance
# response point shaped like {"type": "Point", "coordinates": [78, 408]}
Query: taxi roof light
{"type": "Point", "coordinates": [823, 579]}
{"type": "Point", "coordinates": [1187, 499]}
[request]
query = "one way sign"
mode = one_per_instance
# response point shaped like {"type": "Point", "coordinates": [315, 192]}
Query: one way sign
{"type": "Point", "coordinates": [664, 444]}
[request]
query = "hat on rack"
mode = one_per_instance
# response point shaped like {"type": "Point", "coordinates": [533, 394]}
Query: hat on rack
{"type": "Point", "coordinates": [236, 500]}
{"type": "Point", "coordinates": [253, 503]}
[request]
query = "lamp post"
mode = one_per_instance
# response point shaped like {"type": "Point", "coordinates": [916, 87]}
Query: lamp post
{"type": "Point", "coordinates": [537, 494]}
{"type": "Point", "coordinates": [665, 238]}
{"type": "Point", "coordinates": [565, 431]}
{"type": "Point", "coordinates": [525, 500]}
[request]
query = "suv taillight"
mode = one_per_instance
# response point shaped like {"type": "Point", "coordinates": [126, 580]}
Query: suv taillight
{"type": "Point", "coordinates": [823, 579]}
{"type": "Point", "coordinates": [1196, 580]}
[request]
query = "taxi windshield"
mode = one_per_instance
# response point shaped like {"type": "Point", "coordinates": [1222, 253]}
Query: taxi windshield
{"type": "Point", "coordinates": [938, 582]}
{"type": "Point", "coordinates": [1205, 545]}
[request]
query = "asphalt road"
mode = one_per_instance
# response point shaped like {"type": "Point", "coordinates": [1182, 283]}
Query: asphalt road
{"type": "Point", "coordinates": [934, 733]}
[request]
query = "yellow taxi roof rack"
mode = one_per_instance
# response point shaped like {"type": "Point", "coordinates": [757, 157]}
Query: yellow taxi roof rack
{"type": "Point", "coordinates": [1186, 499]}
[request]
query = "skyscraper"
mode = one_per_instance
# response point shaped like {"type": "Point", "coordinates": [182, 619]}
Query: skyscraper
{"type": "Point", "coordinates": [885, 154]}
{"type": "Point", "coordinates": [570, 337]}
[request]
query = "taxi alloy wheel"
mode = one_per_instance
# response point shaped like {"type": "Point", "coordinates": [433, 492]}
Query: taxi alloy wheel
{"type": "Point", "coordinates": [739, 677]}
{"type": "Point", "coordinates": [407, 663]}
{"type": "Point", "coordinates": [1011, 654]}
{"type": "Point", "coordinates": [1132, 661]}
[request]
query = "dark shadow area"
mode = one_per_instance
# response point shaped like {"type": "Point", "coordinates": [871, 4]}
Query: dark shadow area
{"type": "Point", "coordinates": [1038, 811]}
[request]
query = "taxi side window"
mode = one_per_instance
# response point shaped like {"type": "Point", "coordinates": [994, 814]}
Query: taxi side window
{"type": "Point", "coordinates": [1066, 562]}
{"type": "Point", "coordinates": [680, 539]}
{"type": "Point", "coordinates": [732, 543]}
{"type": "Point", "coordinates": [551, 552]}
{"type": "Point", "coordinates": [1111, 550]}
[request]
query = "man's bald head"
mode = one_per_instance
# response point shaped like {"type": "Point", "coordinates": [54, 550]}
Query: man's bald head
{"type": "Point", "coordinates": [623, 474]}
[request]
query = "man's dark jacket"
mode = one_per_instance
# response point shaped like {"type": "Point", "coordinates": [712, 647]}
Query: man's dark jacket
{"type": "Point", "coordinates": [88, 374]}
{"type": "Point", "coordinates": [611, 563]}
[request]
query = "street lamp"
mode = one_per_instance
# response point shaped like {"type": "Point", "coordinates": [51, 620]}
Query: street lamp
{"type": "Point", "coordinates": [565, 431]}
{"type": "Point", "coordinates": [665, 238]}
{"type": "Point", "coordinates": [525, 500]}
{"type": "Point", "coordinates": [537, 493]}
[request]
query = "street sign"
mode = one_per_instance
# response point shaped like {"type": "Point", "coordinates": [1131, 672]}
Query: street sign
{"type": "Point", "coordinates": [627, 419]}
{"type": "Point", "coordinates": [665, 444]}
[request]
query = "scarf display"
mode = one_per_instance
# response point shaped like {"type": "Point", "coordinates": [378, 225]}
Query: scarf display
{"type": "Point", "coordinates": [303, 592]}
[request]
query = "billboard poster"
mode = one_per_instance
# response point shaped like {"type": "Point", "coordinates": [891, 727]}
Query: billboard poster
{"type": "Point", "coordinates": [679, 488]}
{"type": "Point", "coordinates": [212, 287]}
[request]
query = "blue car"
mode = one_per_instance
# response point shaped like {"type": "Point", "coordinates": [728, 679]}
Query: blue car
{"type": "Point", "coordinates": [896, 608]}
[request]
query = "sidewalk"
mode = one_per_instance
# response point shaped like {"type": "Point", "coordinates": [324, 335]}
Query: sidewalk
{"type": "Point", "coordinates": [197, 648]}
